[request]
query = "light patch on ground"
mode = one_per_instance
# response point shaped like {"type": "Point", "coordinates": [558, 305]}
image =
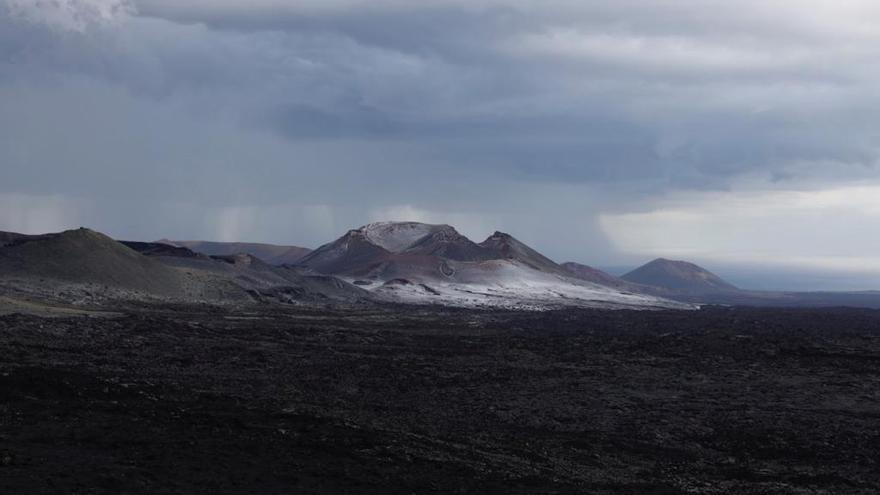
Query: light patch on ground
{"type": "Point", "coordinates": [507, 284]}
{"type": "Point", "coordinates": [10, 305]}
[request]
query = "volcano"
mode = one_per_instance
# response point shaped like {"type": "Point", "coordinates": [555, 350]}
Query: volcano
{"type": "Point", "coordinates": [425, 263]}
{"type": "Point", "coordinates": [84, 256]}
{"type": "Point", "coordinates": [679, 276]}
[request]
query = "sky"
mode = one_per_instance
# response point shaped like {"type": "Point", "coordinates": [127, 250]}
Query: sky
{"type": "Point", "coordinates": [741, 135]}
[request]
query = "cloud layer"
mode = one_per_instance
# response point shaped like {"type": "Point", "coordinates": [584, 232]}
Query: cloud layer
{"type": "Point", "coordinates": [536, 117]}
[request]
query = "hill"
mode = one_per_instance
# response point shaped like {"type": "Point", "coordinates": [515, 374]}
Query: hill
{"type": "Point", "coordinates": [87, 257]}
{"type": "Point", "coordinates": [505, 246]}
{"type": "Point", "coordinates": [270, 253]}
{"type": "Point", "coordinates": [259, 279]}
{"type": "Point", "coordinates": [10, 237]}
{"type": "Point", "coordinates": [590, 274]}
{"type": "Point", "coordinates": [678, 276]}
{"type": "Point", "coordinates": [162, 249]}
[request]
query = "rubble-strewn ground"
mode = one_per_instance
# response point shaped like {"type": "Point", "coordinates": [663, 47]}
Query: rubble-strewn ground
{"type": "Point", "coordinates": [407, 400]}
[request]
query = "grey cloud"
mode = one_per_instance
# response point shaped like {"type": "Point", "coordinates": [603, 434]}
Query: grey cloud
{"type": "Point", "coordinates": [388, 71]}
{"type": "Point", "coordinates": [444, 105]}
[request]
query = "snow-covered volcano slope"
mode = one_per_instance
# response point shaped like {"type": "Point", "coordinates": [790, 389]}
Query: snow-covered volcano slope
{"type": "Point", "coordinates": [510, 284]}
{"type": "Point", "coordinates": [434, 264]}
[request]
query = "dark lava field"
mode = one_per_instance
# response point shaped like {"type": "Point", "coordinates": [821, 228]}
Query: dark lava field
{"type": "Point", "coordinates": [408, 400]}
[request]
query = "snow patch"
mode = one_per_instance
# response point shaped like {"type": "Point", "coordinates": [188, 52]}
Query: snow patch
{"type": "Point", "coordinates": [509, 284]}
{"type": "Point", "coordinates": [397, 236]}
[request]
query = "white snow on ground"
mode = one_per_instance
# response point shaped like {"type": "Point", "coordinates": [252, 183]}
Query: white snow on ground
{"type": "Point", "coordinates": [503, 283]}
{"type": "Point", "coordinates": [397, 236]}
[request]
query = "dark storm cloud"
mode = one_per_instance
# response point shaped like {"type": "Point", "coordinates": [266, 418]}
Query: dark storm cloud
{"type": "Point", "coordinates": [627, 89]}
{"type": "Point", "coordinates": [509, 110]}
{"type": "Point", "coordinates": [584, 89]}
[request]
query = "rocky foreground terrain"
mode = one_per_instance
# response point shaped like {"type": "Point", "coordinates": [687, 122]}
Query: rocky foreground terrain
{"type": "Point", "coordinates": [382, 399]}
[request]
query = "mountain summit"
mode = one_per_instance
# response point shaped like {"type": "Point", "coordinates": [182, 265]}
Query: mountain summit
{"type": "Point", "coordinates": [394, 249]}
{"type": "Point", "coordinates": [446, 242]}
{"type": "Point", "coordinates": [678, 275]}
{"type": "Point", "coordinates": [505, 246]}
{"type": "Point", "coordinates": [396, 237]}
